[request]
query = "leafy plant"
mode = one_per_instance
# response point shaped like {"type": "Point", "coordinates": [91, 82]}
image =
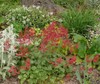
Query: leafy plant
{"type": "Point", "coordinates": [7, 50]}
{"type": "Point", "coordinates": [32, 17]}
{"type": "Point", "coordinates": [48, 55]}
{"type": "Point", "coordinates": [44, 59]}
{"type": "Point", "coordinates": [95, 46]}
{"type": "Point", "coordinates": [88, 48]}
{"type": "Point", "coordinates": [78, 21]}
{"type": "Point", "coordinates": [5, 6]}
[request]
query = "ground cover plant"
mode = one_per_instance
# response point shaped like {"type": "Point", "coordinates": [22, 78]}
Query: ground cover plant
{"type": "Point", "coordinates": [39, 46]}
{"type": "Point", "coordinates": [32, 17]}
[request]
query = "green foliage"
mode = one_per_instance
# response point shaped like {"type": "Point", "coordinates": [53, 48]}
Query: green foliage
{"type": "Point", "coordinates": [89, 48]}
{"type": "Point", "coordinates": [40, 70]}
{"type": "Point", "coordinates": [95, 46]}
{"type": "Point", "coordinates": [79, 21]}
{"type": "Point", "coordinates": [82, 45]}
{"type": "Point", "coordinates": [32, 17]}
{"type": "Point", "coordinates": [6, 5]}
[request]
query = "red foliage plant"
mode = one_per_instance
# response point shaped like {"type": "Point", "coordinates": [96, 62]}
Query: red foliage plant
{"type": "Point", "coordinates": [72, 60]}
{"type": "Point", "coordinates": [53, 35]}
{"type": "Point", "coordinates": [14, 71]}
{"type": "Point", "coordinates": [23, 51]}
{"type": "Point", "coordinates": [26, 36]}
{"type": "Point", "coordinates": [96, 58]}
{"type": "Point", "coordinates": [27, 65]}
{"type": "Point", "coordinates": [59, 60]}
{"type": "Point", "coordinates": [68, 77]}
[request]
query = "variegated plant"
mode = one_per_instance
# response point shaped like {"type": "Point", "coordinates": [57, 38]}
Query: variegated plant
{"type": "Point", "coordinates": [7, 49]}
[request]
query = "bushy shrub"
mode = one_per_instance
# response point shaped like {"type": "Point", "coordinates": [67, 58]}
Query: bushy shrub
{"type": "Point", "coordinates": [89, 50]}
{"type": "Point", "coordinates": [79, 21]}
{"type": "Point", "coordinates": [32, 17]}
{"type": "Point", "coordinates": [6, 5]}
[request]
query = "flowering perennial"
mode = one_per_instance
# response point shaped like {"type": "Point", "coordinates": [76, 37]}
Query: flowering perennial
{"type": "Point", "coordinates": [54, 36]}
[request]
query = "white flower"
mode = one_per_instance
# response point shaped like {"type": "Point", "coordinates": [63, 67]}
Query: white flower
{"type": "Point", "coordinates": [50, 13]}
{"type": "Point", "coordinates": [24, 22]}
{"type": "Point", "coordinates": [37, 7]}
{"type": "Point", "coordinates": [27, 20]}
{"type": "Point", "coordinates": [60, 20]}
{"type": "Point", "coordinates": [24, 17]}
{"type": "Point", "coordinates": [19, 14]}
{"type": "Point", "coordinates": [13, 18]}
{"type": "Point", "coordinates": [33, 6]}
{"type": "Point", "coordinates": [42, 15]}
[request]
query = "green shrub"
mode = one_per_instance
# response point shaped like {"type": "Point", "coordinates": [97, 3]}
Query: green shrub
{"type": "Point", "coordinates": [95, 45]}
{"type": "Point", "coordinates": [90, 51]}
{"type": "Point", "coordinates": [32, 17]}
{"type": "Point", "coordinates": [6, 5]}
{"type": "Point", "coordinates": [78, 21]}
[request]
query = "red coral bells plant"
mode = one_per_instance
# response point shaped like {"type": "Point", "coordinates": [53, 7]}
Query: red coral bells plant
{"type": "Point", "coordinates": [28, 64]}
{"type": "Point", "coordinates": [53, 36]}
{"type": "Point", "coordinates": [68, 77]}
{"type": "Point", "coordinates": [72, 60]}
{"type": "Point", "coordinates": [59, 60]}
{"type": "Point", "coordinates": [14, 71]}
{"type": "Point", "coordinates": [96, 58]}
{"type": "Point", "coordinates": [26, 36]}
{"type": "Point", "coordinates": [22, 52]}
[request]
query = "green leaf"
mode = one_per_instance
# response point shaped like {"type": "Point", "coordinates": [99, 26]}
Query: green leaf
{"type": "Point", "coordinates": [78, 61]}
{"type": "Point", "coordinates": [25, 76]}
{"type": "Point", "coordinates": [82, 44]}
{"type": "Point", "coordinates": [20, 76]}
{"type": "Point", "coordinates": [52, 79]}
{"type": "Point", "coordinates": [78, 76]}
{"type": "Point", "coordinates": [33, 68]}
{"type": "Point", "coordinates": [78, 38]}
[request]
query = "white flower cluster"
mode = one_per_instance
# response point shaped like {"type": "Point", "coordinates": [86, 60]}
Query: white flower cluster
{"type": "Point", "coordinates": [94, 34]}
{"type": "Point", "coordinates": [7, 46]}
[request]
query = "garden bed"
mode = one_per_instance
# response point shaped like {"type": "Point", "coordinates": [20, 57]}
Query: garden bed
{"type": "Point", "coordinates": [95, 79]}
{"type": "Point", "coordinates": [50, 45]}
